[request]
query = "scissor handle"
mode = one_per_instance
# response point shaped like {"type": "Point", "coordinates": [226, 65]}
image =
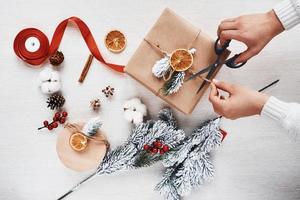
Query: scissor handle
{"type": "Point", "coordinates": [231, 62]}
{"type": "Point", "coordinates": [220, 49]}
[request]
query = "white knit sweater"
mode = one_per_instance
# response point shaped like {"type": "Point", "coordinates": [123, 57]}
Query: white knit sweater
{"type": "Point", "coordinates": [287, 114]}
{"type": "Point", "coordinates": [288, 12]}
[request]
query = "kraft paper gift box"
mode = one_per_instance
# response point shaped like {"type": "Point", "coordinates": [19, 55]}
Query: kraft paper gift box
{"type": "Point", "coordinates": [171, 32]}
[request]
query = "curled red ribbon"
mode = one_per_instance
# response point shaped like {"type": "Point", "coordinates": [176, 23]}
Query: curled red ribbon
{"type": "Point", "coordinates": [39, 56]}
{"type": "Point", "coordinates": [224, 134]}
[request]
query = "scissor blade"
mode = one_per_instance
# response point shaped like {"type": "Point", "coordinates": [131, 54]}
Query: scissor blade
{"type": "Point", "coordinates": [202, 85]}
{"type": "Point", "coordinates": [209, 75]}
{"type": "Point", "coordinates": [199, 73]}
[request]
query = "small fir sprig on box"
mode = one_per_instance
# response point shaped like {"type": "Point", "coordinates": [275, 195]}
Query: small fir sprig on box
{"type": "Point", "coordinates": [174, 83]}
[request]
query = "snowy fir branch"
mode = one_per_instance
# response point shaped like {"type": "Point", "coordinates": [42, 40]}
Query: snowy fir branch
{"type": "Point", "coordinates": [173, 84]}
{"type": "Point", "coordinates": [189, 162]}
{"type": "Point", "coordinates": [92, 126]}
{"type": "Point", "coordinates": [161, 67]}
{"type": "Point", "coordinates": [131, 154]}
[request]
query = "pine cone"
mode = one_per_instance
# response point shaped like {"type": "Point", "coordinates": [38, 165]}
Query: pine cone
{"type": "Point", "coordinates": [55, 101]}
{"type": "Point", "coordinates": [57, 58]}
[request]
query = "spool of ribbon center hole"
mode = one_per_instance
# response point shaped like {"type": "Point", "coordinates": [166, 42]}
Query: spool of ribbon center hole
{"type": "Point", "coordinates": [32, 46]}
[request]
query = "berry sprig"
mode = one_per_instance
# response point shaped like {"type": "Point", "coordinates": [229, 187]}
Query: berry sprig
{"type": "Point", "coordinates": [157, 147]}
{"type": "Point", "coordinates": [59, 117]}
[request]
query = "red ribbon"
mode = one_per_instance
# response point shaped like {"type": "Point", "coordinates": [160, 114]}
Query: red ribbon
{"type": "Point", "coordinates": [33, 58]}
{"type": "Point", "coordinates": [224, 133]}
{"type": "Point", "coordinates": [39, 56]}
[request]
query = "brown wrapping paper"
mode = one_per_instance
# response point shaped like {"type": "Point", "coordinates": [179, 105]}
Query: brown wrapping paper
{"type": "Point", "coordinates": [171, 32]}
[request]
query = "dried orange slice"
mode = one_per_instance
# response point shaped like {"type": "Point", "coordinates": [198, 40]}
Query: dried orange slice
{"type": "Point", "coordinates": [115, 41]}
{"type": "Point", "coordinates": [181, 60]}
{"type": "Point", "coordinates": [78, 141]}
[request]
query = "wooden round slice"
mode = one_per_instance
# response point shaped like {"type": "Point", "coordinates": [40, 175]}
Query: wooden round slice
{"type": "Point", "coordinates": [86, 159]}
{"type": "Point", "coordinates": [115, 41]}
{"type": "Point", "coordinates": [181, 60]}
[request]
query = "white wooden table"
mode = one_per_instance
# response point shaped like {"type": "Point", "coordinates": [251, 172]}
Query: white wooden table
{"type": "Point", "coordinates": [256, 161]}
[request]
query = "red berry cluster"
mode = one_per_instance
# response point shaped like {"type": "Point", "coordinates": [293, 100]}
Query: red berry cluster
{"type": "Point", "coordinates": [157, 147]}
{"type": "Point", "coordinates": [59, 117]}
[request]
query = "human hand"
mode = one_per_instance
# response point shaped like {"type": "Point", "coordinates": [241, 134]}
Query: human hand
{"type": "Point", "coordinates": [255, 31]}
{"type": "Point", "coordinates": [241, 101]}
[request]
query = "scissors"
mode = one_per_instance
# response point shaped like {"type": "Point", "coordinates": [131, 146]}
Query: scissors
{"type": "Point", "coordinates": [219, 50]}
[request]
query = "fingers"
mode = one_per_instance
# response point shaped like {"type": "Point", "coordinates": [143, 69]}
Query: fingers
{"type": "Point", "coordinates": [214, 96]}
{"type": "Point", "coordinates": [227, 25]}
{"type": "Point", "coordinates": [214, 91]}
{"type": "Point", "coordinates": [224, 86]}
{"type": "Point", "coordinates": [229, 20]}
{"type": "Point", "coordinates": [217, 102]}
{"type": "Point", "coordinates": [230, 35]}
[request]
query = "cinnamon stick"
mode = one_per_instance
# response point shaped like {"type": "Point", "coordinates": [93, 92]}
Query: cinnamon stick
{"type": "Point", "coordinates": [86, 68]}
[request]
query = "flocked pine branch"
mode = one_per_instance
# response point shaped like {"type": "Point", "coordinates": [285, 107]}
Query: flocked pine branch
{"type": "Point", "coordinates": [166, 186]}
{"type": "Point", "coordinates": [189, 162]}
{"type": "Point", "coordinates": [132, 155]}
{"type": "Point", "coordinates": [174, 83]}
{"type": "Point", "coordinates": [92, 126]}
{"type": "Point", "coordinates": [168, 117]}
{"type": "Point", "coordinates": [161, 67]}
{"type": "Point", "coordinates": [209, 129]}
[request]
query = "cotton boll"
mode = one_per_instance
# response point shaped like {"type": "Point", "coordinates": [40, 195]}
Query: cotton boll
{"type": "Point", "coordinates": [54, 87]}
{"type": "Point", "coordinates": [142, 109]}
{"type": "Point", "coordinates": [137, 118]}
{"type": "Point", "coordinates": [128, 115]}
{"type": "Point", "coordinates": [126, 105]}
{"type": "Point", "coordinates": [55, 76]}
{"type": "Point", "coordinates": [45, 74]}
{"type": "Point", "coordinates": [50, 87]}
{"type": "Point", "coordinates": [134, 110]}
{"type": "Point", "coordinates": [45, 88]}
{"type": "Point", "coordinates": [49, 81]}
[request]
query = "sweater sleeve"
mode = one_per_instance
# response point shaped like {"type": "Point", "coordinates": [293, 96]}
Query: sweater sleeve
{"type": "Point", "coordinates": [286, 114]}
{"type": "Point", "coordinates": [288, 12]}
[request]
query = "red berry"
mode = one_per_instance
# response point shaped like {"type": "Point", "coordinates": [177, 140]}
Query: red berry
{"type": "Point", "coordinates": [45, 123]}
{"type": "Point", "coordinates": [146, 147]}
{"type": "Point", "coordinates": [62, 120]}
{"type": "Point", "coordinates": [55, 124]}
{"type": "Point", "coordinates": [161, 151]}
{"type": "Point", "coordinates": [55, 119]}
{"type": "Point", "coordinates": [57, 115]}
{"type": "Point", "coordinates": [154, 150]}
{"type": "Point", "coordinates": [64, 114]}
{"type": "Point", "coordinates": [50, 127]}
{"type": "Point", "coordinates": [166, 148]}
{"type": "Point", "coordinates": [154, 144]}
{"type": "Point", "coordinates": [158, 144]}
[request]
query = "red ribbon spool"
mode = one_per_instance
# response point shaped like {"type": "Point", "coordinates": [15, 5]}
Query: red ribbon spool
{"type": "Point", "coordinates": [39, 56]}
{"type": "Point", "coordinates": [34, 58]}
